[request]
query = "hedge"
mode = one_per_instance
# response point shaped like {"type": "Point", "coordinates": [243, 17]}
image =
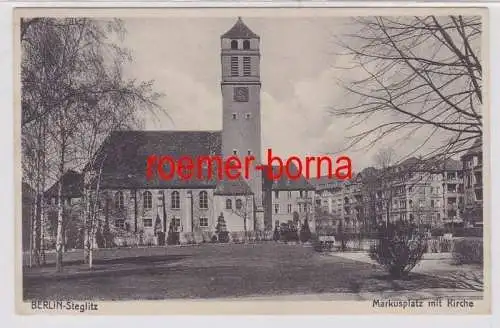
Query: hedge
{"type": "Point", "coordinates": [468, 251]}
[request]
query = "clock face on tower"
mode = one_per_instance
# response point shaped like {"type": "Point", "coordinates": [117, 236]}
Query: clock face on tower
{"type": "Point", "coordinates": [240, 94]}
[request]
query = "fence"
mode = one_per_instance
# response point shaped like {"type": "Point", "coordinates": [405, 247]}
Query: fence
{"type": "Point", "coordinates": [434, 244]}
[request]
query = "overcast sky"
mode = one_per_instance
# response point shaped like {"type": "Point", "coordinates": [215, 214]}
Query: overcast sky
{"type": "Point", "coordinates": [298, 71]}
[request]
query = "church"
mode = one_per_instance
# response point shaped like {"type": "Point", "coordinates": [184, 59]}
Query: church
{"type": "Point", "coordinates": [133, 204]}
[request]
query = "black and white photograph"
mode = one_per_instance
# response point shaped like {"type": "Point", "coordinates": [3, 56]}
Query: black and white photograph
{"type": "Point", "coordinates": [252, 155]}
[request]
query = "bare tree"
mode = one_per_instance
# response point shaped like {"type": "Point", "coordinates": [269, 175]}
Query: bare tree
{"type": "Point", "coordinates": [384, 160]}
{"type": "Point", "coordinates": [243, 208]}
{"type": "Point", "coordinates": [72, 78]}
{"type": "Point", "coordinates": [34, 174]}
{"type": "Point", "coordinates": [416, 75]}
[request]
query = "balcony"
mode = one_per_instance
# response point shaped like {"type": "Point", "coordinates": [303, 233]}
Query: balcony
{"type": "Point", "coordinates": [454, 181]}
{"type": "Point", "coordinates": [452, 220]}
{"type": "Point", "coordinates": [357, 190]}
{"type": "Point", "coordinates": [304, 200]}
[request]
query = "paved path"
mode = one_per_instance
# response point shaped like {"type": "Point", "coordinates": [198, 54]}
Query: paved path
{"type": "Point", "coordinates": [435, 264]}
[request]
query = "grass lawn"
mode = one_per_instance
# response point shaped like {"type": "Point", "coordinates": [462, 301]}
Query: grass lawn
{"type": "Point", "coordinates": [211, 271]}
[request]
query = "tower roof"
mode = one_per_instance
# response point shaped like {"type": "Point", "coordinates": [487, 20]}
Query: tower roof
{"type": "Point", "coordinates": [239, 31]}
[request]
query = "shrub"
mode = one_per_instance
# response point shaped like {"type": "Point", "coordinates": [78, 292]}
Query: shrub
{"type": "Point", "coordinates": [437, 232]}
{"type": "Point", "coordinates": [251, 236]}
{"type": "Point", "coordinates": [223, 237]}
{"type": "Point", "coordinates": [235, 237]}
{"type": "Point", "coordinates": [283, 231]}
{"type": "Point", "coordinates": [399, 248]}
{"type": "Point", "coordinates": [207, 236]}
{"type": "Point", "coordinates": [198, 237]}
{"type": "Point", "coordinates": [221, 230]}
{"type": "Point", "coordinates": [173, 235]}
{"type": "Point", "coordinates": [324, 244]}
{"type": "Point", "coordinates": [267, 235]}
{"type": "Point", "coordinates": [305, 232]}
{"type": "Point", "coordinates": [276, 234]}
{"type": "Point", "coordinates": [101, 243]}
{"type": "Point", "coordinates": [189, 237]}
{"type": "Point", "coordinates": [288, 232]}
{"type": "Point", "coordinates": [468, 251]}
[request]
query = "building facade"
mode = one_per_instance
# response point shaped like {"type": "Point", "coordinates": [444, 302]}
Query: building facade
{"type": "Point", "coordinates": [132, 204]}
{"type": "Point", "coordinates": [432, 195]}
{"type": "Point", "coordinates": [473, 185]}
{"type": "Point", "coordinates": [241, 119]}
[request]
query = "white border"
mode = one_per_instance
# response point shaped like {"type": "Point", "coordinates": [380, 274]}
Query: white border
{"type": "Point", "coordinates": [7, 192]}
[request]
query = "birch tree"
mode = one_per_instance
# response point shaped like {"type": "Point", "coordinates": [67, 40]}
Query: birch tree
{"type": "Point", "coordinates": [72, 78]}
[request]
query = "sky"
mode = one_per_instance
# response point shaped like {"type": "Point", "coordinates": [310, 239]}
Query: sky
{"type": "Point", "coordinates": [299, 70]}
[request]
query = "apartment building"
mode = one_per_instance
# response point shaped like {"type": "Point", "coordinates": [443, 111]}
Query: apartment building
{"type": "Point", "coordinates": [413, 191]}
{"type": "Point", "coordinates": [472, 162]}
{"type": "Point", "coordinates": [285, 199]}
{"type": "Point", "coordinates": [340, 201]}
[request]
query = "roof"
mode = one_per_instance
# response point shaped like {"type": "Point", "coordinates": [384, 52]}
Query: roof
{"type": "Point", "coordinates": [284, 182]}
{"type": "Point", "coordinates": [233, 187]}
{"type": "Point", "coordinates": [326, 182]}
{"type": "Point", "coordinates": [239, 31]}
{"type": "Point", "coordinates": [72, 185]}
{"type": "Point", "coordinates": [124, 156]}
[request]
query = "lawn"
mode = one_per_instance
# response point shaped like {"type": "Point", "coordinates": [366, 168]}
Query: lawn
{"type": "Point", "coordinates": [212, 271]}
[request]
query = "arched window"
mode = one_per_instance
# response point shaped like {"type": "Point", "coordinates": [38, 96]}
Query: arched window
{"type": "Point", "coordinates": [234, 44]}
{"type": "Point", "coordinates": [229, 204]}
{"type": "Point", "coordinates": [175, 200]}
{"type": "Point", "coordinates": [246, 44]}
{"type": "Point", "coordinates": [239, 204]}
{"type": "Point", "coordinates": [148, 200]}
{"type": "Point", "coordinates": [203, 199]}
{"type": "Point", "coordinates": [119, 200]}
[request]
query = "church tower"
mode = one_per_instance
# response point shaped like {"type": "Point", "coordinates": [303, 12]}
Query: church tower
{"type": "Point", "coordinates": [241, 123]}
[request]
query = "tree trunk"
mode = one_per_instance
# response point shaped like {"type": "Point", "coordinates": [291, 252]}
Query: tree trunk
{"type": "Point", "coordinates": [38, 201]}
{"type": "Point", "coordinates": [136, 209]}
{"type": "Point", "coordinates": [93, 218]}
{"type": "Point", "coordinates": [245, 226]}
{"type": "Point", "coordinates": [86, 214]}
{"type": "Point", "coordinates": [85, 223]}
{"type": "Point", "coordinates": [42, 231]}
{"type": "Point", "coordinates": [42, 198]}
{"type": "Point", "coordinates": [37, 229]}
{"type": "Point", "coordinates": [32, 238]}
{"type": "Point", "coordinates": [60, 218]}
{"type": "Point", "coordinates": [59, 237]}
